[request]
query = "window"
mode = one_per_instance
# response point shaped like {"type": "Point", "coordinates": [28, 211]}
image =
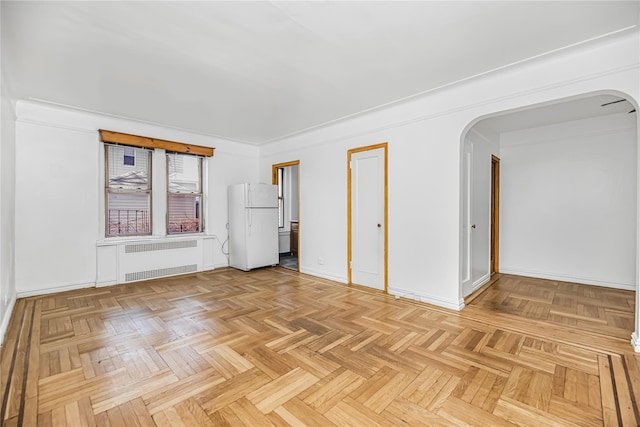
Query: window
{"type": "Point", "coordinates": [129, 156]}
{"type": "Point", "coordinates": [129, 160]}
{"type": "Point", "coordinates": [184, 193]}
{"type": "Point", "coordinates": [128, 191]}
{"type": "Point", "coordinates": [281, 197]}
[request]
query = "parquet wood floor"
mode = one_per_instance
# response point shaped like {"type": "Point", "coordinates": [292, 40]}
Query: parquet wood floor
{"type": "Point", "coordinates": [582, 308]}
{"type": "Point", "coordinates": [275, 347]}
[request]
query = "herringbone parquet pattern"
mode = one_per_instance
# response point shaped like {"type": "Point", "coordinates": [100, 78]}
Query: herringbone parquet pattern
{"type": "Point", "coordinates": [586, 308]}
{"type": "Point", "coordinates": [274, 347]}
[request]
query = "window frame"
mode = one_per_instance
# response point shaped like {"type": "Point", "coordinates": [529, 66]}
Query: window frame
{"type": "Point", "coordinates": [200, 194]}
{"type": "Point", "coordinates": [158, 205]}
{"type": "Point", "coordinates": [109, 190]}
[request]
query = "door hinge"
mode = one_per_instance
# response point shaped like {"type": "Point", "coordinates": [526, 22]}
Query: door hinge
{"type": "Point", "coordinates": [350, 164]}
{"type": "Point", "coordinates": [351, 265]}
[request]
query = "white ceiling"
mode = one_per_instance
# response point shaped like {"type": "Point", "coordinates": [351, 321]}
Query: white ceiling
{"type": "Point", "coordinates": [256, 71]}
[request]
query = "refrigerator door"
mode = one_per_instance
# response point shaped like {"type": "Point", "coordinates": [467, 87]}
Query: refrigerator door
{"type": "Point", "coordinates": [253, 231]}
{"type": "Point", "coordinates": [261, 237]}
{"type": "Point", "coordinates": [261, 196]}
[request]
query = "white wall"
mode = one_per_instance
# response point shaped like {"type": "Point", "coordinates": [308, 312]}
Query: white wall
{"type": "Point", "coordinates": [7, 211]}
{"type": "Point", "coordinates": [59, 190]}
{"type": "Point", "coordinates": [57, 201]}
{"type": "Point", "coordinates": [424, 136]}
{"type": "Point", "coordinates": [568, 201]}
{"type": "Point", "coordinates": [228, 166]}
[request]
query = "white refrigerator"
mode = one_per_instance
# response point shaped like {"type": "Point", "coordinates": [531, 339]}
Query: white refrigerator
{"type": "Point", "coordinates": [253, 225]}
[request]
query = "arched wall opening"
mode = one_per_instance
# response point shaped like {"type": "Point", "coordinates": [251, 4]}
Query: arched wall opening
{"type": "Point", "coordinates": [571, 207]}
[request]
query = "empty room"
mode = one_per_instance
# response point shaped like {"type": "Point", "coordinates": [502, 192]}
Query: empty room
{"type": "Point", "coordinates": [319, 213]}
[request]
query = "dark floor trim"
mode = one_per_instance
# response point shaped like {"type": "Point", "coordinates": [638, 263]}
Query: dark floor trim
{"type": "Point", "coordinates": [27, 357]}
{"type": "Point", "coordinates": [10, 376]}
{"type": "Point", "coordinates": [634, 401]}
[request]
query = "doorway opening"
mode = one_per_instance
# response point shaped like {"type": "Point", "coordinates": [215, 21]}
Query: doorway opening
{"type": "Point", "coordinates": [495, 215]}
{"type": "Point", "coordinates": [287, 177]}
{"type": "Point", "coordinates": [556, 212]}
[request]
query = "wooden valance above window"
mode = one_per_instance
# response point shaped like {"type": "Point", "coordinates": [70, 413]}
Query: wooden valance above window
{"type": "Point", "coordinates": [143, 141]}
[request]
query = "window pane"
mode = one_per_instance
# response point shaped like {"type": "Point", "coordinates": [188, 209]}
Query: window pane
{"type": "Point", "coordinates": [128, 214]}
{"type": "Point", "coordinates": [129, 157]}
{"type": "Point", "coordinates": [184, 173]}
{"type": "Point", "coordinates": [280, 182]}
{"type": "Point", "coordinates": [128, 167]}
{"type": "Point", "coordinates": [280, 197]}
{"type": "Point", "coordinates": [184, 213]}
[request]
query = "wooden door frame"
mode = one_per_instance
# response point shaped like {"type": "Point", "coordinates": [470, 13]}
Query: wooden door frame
{"type": "Point", "coordinates": [274, 172]}
{"type": "Point", "coordinates": [350, 152]}
{"type": "Point", "coordinates": [274, 181]}
{"type": "Point", "coordinates": [495, 214]}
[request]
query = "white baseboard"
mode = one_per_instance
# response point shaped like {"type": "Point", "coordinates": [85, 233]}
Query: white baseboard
{"type": "Point", "coordinates": [322, 274]}
{"type": "Point", "coordinates": [106, 283]}
{"type": "Point", "coordinates": [83, 285]}
{"type": "Point", "coordinates": [429, 299]}
{"type": "Point", "coordinates": [481, 281]}
{"type": "Point", "coordinates": [635, 342]}
{"type": "Point", "coordinates": [45, 291]}
{"type": "Point", "coordinates": [566, 278]}
{"type": "Point", "coordinates": [6, 318]}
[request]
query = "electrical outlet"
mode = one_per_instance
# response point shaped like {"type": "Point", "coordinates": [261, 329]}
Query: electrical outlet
{"type": "Point", "coordinates": [320, 261]}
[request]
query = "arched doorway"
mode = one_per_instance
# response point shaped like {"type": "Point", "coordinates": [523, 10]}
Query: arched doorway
{"type": "Point", "coordinates": [568, 199]}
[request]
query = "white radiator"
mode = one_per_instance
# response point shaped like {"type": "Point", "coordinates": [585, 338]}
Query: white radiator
{"type": "Point", "coordinates": [284, 241]}
{"type": "Point", "coordinates": [129, 261]}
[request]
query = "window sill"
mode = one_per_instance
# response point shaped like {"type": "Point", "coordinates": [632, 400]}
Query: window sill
{"type": "Point", "coordinates": [109, 241]}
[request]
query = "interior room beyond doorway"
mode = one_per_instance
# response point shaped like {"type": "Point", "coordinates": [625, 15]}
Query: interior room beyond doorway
{"type": "Point", "coordinates": [568, 197]}
{"type": "Point", "coordinates": [286, 177]}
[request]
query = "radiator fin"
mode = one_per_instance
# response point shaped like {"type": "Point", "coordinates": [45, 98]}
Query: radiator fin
{"type": "Point", "coordinates": [160, 272]}
{"type": "Point", "coordinates": [160, 246]}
